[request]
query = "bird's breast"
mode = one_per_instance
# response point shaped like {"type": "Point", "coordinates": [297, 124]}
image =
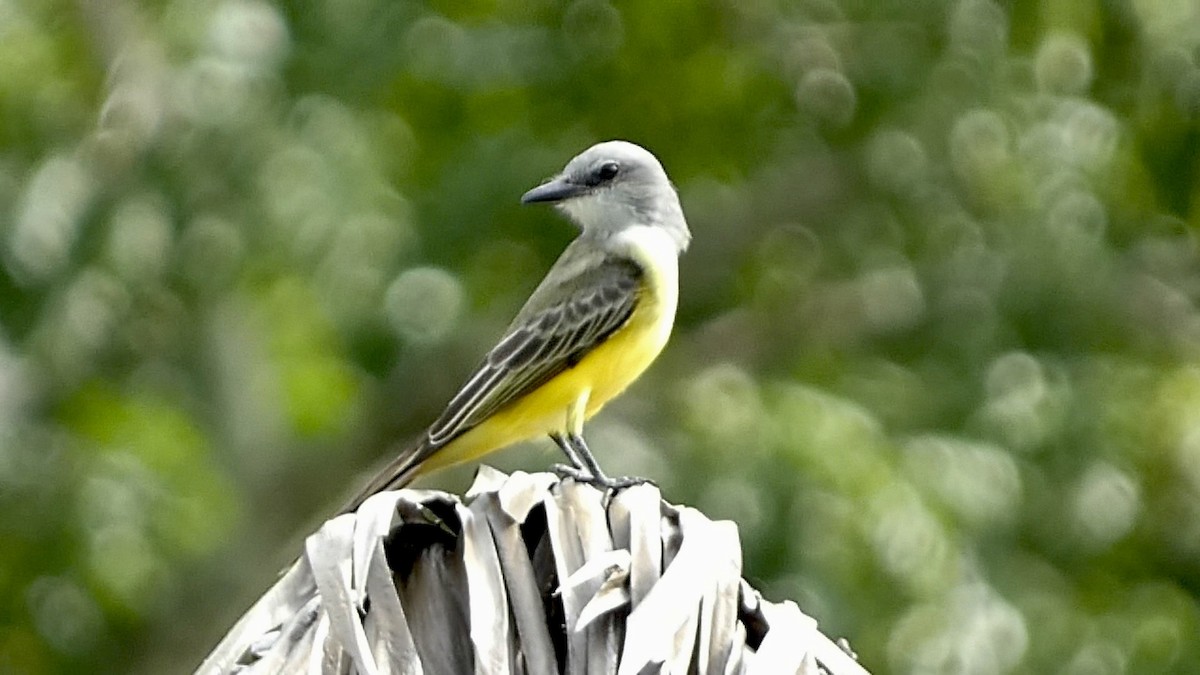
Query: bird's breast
{"type": "Point", "coordinates": [627, 353]}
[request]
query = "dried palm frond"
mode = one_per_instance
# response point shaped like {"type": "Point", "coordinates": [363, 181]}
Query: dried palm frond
{"type": "Point", "coordinates": [527, 575]}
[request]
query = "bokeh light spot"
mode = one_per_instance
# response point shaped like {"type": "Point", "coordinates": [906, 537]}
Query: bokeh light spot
{"type": "Point", "coordinates": [249, 31]}
{"type": "Point", "coordinates": [1024, 405]}
{"type": "Point", "coordinates": [892, 298]}
{"type": "Point", "coordinates": [978, 481]}
{"type": "Point", "coordinates": [723, 401]}
{"type": "Point", "coordinates": [1097, 658]}
{"type": "Point", "coordinates": [978, 26]}
{"type": "Point", "coordinates": [970, 630]}
{"type": "Point", "coordinates": [436, 48]}
{"type": "Point", "coordinates": [827, 95]}
{"type": "Point", "coordinates": [424, 304]}
{"type": "Point", "coordinates": [896, 161]}
{"type": "Point", "coordinates": [48, 218]}
{"type": "Point", "coordinates": [140, 238]}
{"type": "Point", "coordinates": [1107, 503]}
{"type": "Point", "coordinates": [979, 144]}
{"type": "Point", "coordinates": [64, 613]}
{"type": "Point", "coordinates": [810, 51]}
{"type": "Point", "coordinates": [908, 540]}
{"type": "Point", "coordinates": [210, 253]}
{"type": "Point", "coordinates": [592, 30]}
{"type": "Point", "coordinates": [1063, 64]}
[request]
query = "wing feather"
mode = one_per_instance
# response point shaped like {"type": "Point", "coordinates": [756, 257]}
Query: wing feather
{"type": "Point", "coordinates": [544, 343]}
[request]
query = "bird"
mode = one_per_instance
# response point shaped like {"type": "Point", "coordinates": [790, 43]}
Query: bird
{"type": "Point", "coordinates": [601, 315]}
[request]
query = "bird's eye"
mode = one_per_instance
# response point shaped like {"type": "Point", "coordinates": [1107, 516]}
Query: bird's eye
{"type": "Point", "coordinates": [608, 170]}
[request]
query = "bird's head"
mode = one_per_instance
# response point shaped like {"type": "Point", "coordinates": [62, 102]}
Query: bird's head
{"type": "Point", "coordinates": [614, 185]}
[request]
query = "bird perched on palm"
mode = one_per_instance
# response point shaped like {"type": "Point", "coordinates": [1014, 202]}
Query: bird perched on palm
{"type": "Point", "coordinates": [598, 319]}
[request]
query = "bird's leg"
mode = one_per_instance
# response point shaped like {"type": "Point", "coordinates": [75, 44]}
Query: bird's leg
{"type": "Point", "coordinates": [586, 457]}
{"type": "Point", "coordinates": [576, 469]}
{"type": "Point", "coordinates": [584, 468]}
{"type": "Point", "coordinates": [598, 477]}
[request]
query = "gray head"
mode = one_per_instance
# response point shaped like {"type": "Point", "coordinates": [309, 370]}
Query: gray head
{"type": "Point", "coordinates": [611, 186]}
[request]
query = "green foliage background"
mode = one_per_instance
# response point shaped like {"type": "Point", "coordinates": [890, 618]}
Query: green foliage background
{"type": "Point", "coordinates": [937, 352]}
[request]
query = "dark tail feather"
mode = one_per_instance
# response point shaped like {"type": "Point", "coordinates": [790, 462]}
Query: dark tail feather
{"type": "Point", "coordinates": [398, 473]}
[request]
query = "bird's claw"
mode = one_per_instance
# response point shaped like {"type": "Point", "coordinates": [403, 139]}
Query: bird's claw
{"type": "Point", "coordinates": [601, 481]}
{"type": "Point", "coordinates": [624, 482]}
{"type": "Point", "coordinates": [573, 472]}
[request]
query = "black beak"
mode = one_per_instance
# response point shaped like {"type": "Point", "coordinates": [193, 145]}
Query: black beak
{"type": "Point", "coordinates": [553, 190]}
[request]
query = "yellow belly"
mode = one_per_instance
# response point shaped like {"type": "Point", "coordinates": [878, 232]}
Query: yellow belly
{"type": "Point", "coordinates": [598, 377]}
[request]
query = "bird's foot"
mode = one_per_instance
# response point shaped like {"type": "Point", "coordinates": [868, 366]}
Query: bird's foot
{"type": "Point", "coordinates": [623, 482]}
{"type": "Point", "coordinates": [600, 481]}
{"type": "Point", "coordinates": [573, 472]}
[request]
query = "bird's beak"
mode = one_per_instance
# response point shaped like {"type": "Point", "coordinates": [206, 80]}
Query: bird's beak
{"type": "Point", "coordinates": [554, 190]}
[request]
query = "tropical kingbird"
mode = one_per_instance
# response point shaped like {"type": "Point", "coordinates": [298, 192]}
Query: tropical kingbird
{"type": "Point", "coordinates": [601, 315]}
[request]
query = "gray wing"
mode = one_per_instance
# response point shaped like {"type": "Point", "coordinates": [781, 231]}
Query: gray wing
{"type": "Point", "coordinates": [559, 325]}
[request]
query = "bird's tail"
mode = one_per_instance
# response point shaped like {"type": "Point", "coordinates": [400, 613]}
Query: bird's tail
{"type": "Point", "coordinates": [398, 473]}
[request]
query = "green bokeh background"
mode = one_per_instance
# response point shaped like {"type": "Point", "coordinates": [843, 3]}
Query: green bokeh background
{"type": "Point", "coordinates": [938, 350]}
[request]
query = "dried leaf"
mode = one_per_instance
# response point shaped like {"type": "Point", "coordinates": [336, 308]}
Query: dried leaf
{"type": "Point", "coordinates": [415, 582]}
